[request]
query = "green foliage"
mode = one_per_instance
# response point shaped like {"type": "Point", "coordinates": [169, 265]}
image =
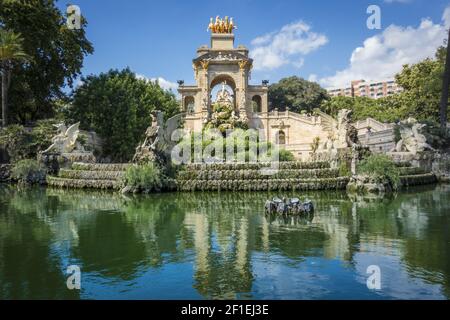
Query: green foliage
{"type": "Point", "coordinates": [118, 105]}
{"type": "Point", "coordinates": [387, 109]}
{"type": "Point", "coordinates": [144, 177]}
{"type": "Point", "coordinates": [297, 94]}
{"type": "Point", "coordinates": [21, 143]}
{"type": "Point", "coordinates": [11, 52]}
{"type": "Point", "coordinates": [245, 145]}
{"type": "Point", "coordinates": [286, 155]}
{"type": "Point", "coordinates": [381, 168]}
{"type": "Point", "coordinates": [344, 170]}
{"type": "Point", "coordinates": [28, 171]}
{"type": "Point", "coordinates": [422, 83]}
{"type": "Point", "coordinates": [56, 53]}
{"type": "Point", "coordinates": [315, 144]}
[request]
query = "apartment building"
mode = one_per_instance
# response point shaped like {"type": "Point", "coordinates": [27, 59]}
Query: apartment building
{"type": "Point", "coordinates": [362, 88]}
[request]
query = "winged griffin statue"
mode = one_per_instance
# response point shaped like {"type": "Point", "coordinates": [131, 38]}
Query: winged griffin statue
{"type": "Point", "coordinates": [65, 140]}
{"type": "Point", "coordinates": [341, 134]}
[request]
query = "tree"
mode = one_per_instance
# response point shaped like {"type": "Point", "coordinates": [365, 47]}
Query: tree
{"type": "Point", "coordinates": [389, 109]}
{"type": "Point", "coordinates": [118, 105]}
{"type": "Point", "coordinates": [56, 51]}
{"type": "Point", "coordinates": [422, 84]}
{"type": "Point", "coordinates": [445, 88]}
{"type": "Point", "coordinates": [10, 52]}
{"type": "Point", "coordinates": [297, 94]}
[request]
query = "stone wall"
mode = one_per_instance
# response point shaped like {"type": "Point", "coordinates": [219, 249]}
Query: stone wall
{"type": "Point", "coordinates": [299, 130]}
{"type": "Point", "coordinates": [378, 142]}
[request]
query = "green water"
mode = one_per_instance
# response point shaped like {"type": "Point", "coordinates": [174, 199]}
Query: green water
{"type": "Point", "coordinates": [210, 245]}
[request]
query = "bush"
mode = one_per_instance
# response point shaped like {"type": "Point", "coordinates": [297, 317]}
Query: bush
{"type": "Point", "coordinates": [286, 155]}
{"type": "Point", "coordinates": [28, 171]}
{"type": "Point", "coordinates": [245, 145]}
{"type": "Point", "coordinates": [144, 178]}
{"type": "Point", "coordinates": [380, 168]}
{"type": "Point", "coordinates": [21, 143]}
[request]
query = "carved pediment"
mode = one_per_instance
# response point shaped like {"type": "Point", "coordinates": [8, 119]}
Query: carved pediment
{"type": "Point", "coordinates": [226, 56]}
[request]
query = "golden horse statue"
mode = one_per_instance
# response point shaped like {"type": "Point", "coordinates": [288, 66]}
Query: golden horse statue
{"type": "Point", "coordinates": [225, 25]}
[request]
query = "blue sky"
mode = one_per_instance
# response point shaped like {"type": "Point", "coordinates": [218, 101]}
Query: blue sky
{"type": "Point", "coordinates": [316, 40]}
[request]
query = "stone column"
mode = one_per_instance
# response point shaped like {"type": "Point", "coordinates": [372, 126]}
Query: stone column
{"type": "Point", "coordinates": [242, 102]}
{"type": "Point", "coordinates": [206, 104]}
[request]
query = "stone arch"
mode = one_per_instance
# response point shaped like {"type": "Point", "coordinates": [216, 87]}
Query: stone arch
{"type": "Point", "coordinates": [280, 137]}
{"type": "Point", "coordinates": [189, 104]}
{"type": "Point", "coordinates": [218, 79]}
{"type": "Point", "coordinates": [230, 82]}
{"type": "Point", "coordinates": [257, 103]}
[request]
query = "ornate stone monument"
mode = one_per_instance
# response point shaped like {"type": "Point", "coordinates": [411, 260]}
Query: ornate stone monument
{"type": "Point", "coordinates": [215, 65]}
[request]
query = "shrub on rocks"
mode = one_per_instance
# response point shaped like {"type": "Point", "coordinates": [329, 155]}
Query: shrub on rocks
{"type": "Point", "coordinates": [29, 171]}
{"type": "Point", "coordinates": [145, 178]}
{"type": "Point", "coordinates": [380, 169]}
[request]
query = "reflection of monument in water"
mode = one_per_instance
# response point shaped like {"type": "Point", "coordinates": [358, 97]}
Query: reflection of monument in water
{"type": "Point", "coordinates": [225, 236]}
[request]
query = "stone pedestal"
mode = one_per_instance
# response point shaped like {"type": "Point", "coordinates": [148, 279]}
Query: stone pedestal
{"type": "Point", "coordinates": [222, 41]}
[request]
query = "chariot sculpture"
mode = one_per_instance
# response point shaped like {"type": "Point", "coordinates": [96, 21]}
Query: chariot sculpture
{"type": "Point", "coordinates": [225, 25]}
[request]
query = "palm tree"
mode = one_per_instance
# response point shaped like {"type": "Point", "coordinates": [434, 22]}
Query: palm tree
{"type": "Point", "coordinates": [10, 52]}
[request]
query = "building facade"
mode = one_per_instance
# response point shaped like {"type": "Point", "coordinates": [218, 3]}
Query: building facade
{"type": "Point", "coordinates": [362, 88]}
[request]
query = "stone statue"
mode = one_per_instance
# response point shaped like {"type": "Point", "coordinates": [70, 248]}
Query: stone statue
{"type": "Point", "coordinates": [341, 134]}
{"type": "Point", "coordinates": [149, 149]}
{"type": "Point", "coordinates": [231, 26]}
{"type": "Point", "coordinates": [412, 140]}
{"type": "Point", "coordinates": [65, 140]}
{"type": "Point", "coordinates": [223, 96]}
{"type": "Point", "coordinates": [221, 25]}
{"type": "Point", "coordinates": [211, 26]}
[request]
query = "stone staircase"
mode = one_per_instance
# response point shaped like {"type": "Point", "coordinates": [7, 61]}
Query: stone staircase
{"type": "Point", "coordinates": [414, 176]}
{"type": "Point", "coordinates": [248, 177]}
{"type": "Point", "coordinates": [88, 175]}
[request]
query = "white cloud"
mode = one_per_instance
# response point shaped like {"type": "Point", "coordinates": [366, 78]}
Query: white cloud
{"type": "Point", "coordinates": [163, 83]}
{"type": "Point", "coordinates": [383, 55]}
{"type": "Point", "coordinates": [285, 46]}
{"type": "Point", "coordinates": [312, 77]}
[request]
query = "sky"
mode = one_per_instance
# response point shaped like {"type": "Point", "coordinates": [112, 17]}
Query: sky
{"type": "Point", "coordinates": [324, 41]}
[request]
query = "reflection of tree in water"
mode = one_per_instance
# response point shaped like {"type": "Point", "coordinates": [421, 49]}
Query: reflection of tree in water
{"type": "Point", "coordinates": [119, 238]}
{"type": "Point", "coordinates": [427, 254]}
{"type": "Point", "coordinates": [29, 267]}
{"type": "Point", "coordinates": [418, 219]}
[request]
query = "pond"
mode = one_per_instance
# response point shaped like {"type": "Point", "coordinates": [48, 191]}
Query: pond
{"type": "Point", "coordinates": [222, 246]}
